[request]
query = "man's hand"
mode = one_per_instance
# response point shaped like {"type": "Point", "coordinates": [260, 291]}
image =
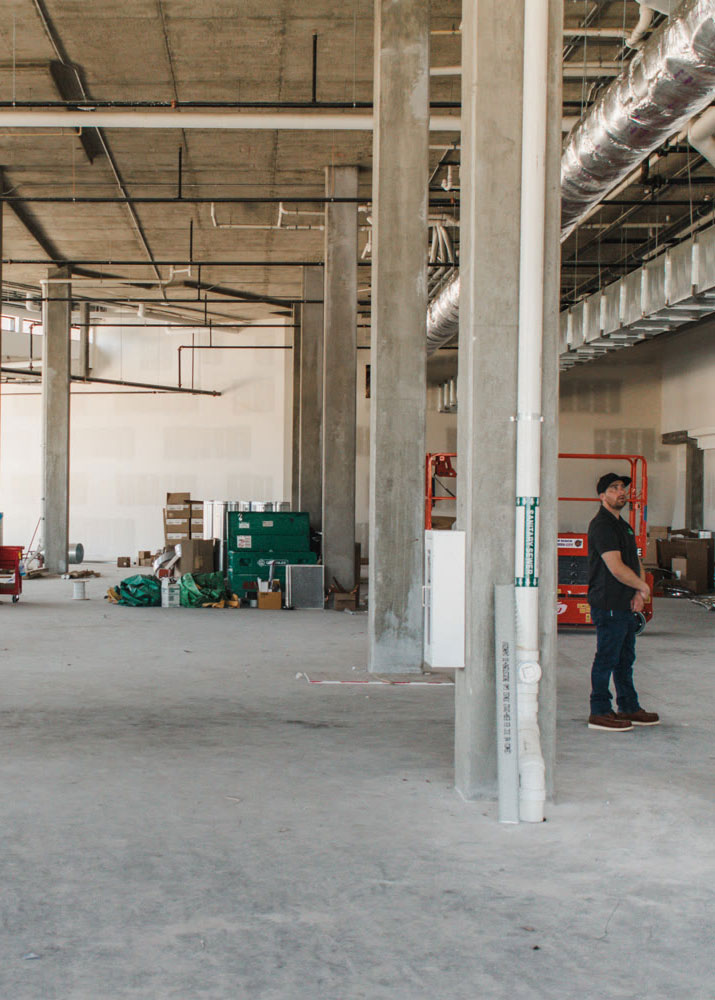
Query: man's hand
{"type": "Point", "coordinates": [637, 602]}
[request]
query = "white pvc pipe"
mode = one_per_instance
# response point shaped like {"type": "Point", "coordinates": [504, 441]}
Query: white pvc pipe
{"type": "Point", "coordinates": [532, 785]}
{"type": "Point", "coordinates": [571, 71]}
{"type": "Point", "coordinates": [310, 121]}
{"type": "Point", "coordinates": [20, 118]}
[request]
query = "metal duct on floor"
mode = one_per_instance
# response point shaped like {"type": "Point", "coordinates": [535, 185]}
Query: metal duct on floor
{"type": "Point", "coordinates": [668, 82]}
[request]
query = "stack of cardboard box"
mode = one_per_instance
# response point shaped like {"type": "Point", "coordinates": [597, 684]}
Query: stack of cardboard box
{"type": "Point", "coordinates": [184, 530]}
{"type": "Point", "coordinates": [183, 518]}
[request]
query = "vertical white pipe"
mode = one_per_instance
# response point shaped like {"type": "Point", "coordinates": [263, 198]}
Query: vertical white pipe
{"type": "Point", "coordinates": [532, 786]}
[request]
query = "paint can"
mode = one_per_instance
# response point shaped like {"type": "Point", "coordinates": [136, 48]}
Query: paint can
{"type": "Point", "coordinates": [78, 590]}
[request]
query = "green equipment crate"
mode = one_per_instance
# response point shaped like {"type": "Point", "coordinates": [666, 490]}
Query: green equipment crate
{"type": "Point", "coordinates": [277, 544]}
{"type": "Point", "coordinates": [253, 522]}
{"type": "Point", "coordinates": [257, 565]}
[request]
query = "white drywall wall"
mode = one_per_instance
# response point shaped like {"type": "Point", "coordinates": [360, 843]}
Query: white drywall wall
{"type": "Point", "coordinates": [129, 447]}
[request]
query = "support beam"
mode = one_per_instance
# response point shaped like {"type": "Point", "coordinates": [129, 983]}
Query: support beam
{"type": "Point", "coordinates": [339, 378]}
{"type": "Point", "coordinates": [492, 60]}
{"type": "Point", "coordinates": [84, 324]}
{"type": "Point", "coordinates": [399, 310]}
{"type": "Point", "coordinates": [295, 423]}
{"type": "Point", "coordinates": [56, 419]}
{"type": "Point", "coordinates": [548, 521]}
{"type": "Point", "coordinates": [311, 397]}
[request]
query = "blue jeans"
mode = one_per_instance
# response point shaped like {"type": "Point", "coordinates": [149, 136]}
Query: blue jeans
{"type": "Point", "coordinates": [615, 654]}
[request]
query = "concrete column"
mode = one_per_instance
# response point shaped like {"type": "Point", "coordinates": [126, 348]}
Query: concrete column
{"type": "Point", "coordinates": [56, 418]}
{"type": "Point", "coordinates": [295, 423]}
{"type": "Point", "coordinates": [490, 180]}
{"type": "Point", "coordinates": [311, 397]}
{"type": "Point", "coordinates": [339, 377]}
{"type": "Point", "coordinates": [84, 339]}
{"type": "Point", "coordinates": [399, 310]}
{"type": "Point", "coordinates": [548, 518]}
{"type": "Point", "coordinates": [492, 68]}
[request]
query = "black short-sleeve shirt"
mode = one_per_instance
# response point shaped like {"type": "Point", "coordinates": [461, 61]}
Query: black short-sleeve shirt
{"type": "Point", "coordinates": [608, 533]}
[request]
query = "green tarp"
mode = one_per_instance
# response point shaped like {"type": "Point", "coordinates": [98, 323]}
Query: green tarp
{"type": "Point", "coordinates": [197, 589]}
{"type": "Point", "coordinates": [140, 592]}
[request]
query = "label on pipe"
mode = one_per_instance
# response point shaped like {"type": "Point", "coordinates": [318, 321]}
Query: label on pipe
{"type": "Point", "coordinates": [527, 529]}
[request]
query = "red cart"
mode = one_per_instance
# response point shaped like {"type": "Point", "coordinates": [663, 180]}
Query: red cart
{"type": "Point", "coordinates": [573, 607]}
{"type": "Point", "coordinates": [10, 579]}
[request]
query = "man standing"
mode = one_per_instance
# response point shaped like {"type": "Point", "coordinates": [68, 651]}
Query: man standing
{"type": "Point", "coordinates": [616, 589]}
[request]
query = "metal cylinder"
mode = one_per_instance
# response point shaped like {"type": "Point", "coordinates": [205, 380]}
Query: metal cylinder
{"type": "Point", "coordinates": [78, 591]}
{"type": "Point", "coordinates": [75, 553]}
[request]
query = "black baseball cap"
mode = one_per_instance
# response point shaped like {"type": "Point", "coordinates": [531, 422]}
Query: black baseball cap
{"type": "Point", "coordinates": [611, 477]}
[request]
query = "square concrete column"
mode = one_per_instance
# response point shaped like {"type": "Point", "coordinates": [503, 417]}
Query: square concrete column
{"type": "Point", "coordinates": [295, 423]}
{"type": "Point", "coordinates": [399, 311]}
{"type": "Point", "coordinates": [56, 417]}
{"type": "Point", "coordinates": [548, 520]}
{"type": "Point", "coordinates": [490, 179]}
{"type": "Point", "coordinates": [340, 376]}
{"type": "Point", "coordinates": [310, 478]}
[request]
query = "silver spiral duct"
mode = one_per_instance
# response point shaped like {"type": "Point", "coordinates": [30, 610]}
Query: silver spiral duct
{"type": "Point", "coordinates": [669, 81]}
{"type": "Point", "coordinates": [443, 315]}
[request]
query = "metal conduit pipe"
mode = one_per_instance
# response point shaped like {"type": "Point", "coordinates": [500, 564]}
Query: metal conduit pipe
{"type": "Point", "coordinates": [89, 118]}
{"type": "Point", "coordinates": [669, 81]}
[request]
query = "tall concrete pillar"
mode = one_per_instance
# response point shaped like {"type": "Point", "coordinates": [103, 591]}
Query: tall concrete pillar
{"type": "Point", "coordinates": [490, 180]}
{"type": "Point", "coordinates": [339, 377]}
{"type": "Point", "coordinates": [56, 417]}
{"type": "Point", "coordinates": [311, 397]}
{"type": "Point", "coordinates": [548, 519]}
{"type": "Point", "coordinates": [399, 310]}
{"type": "Point", "coordinates": [295, 423]}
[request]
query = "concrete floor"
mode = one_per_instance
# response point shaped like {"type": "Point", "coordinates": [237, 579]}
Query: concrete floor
{"type": "Point", "coordinates": [183, 818]}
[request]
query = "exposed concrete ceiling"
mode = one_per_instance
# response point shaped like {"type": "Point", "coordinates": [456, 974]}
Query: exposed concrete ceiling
{"type": "Point", "coordinates": [222, 52]}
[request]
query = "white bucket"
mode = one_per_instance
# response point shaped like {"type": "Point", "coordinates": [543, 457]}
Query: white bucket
{"type": "Point", "coordinates": [78, 592]}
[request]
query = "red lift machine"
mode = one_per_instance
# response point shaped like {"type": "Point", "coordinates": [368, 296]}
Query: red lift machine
{"type": "Point", "coordinates": [572, 607]}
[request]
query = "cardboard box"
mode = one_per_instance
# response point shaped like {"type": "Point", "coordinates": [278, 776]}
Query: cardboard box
{"type": "Point", "coordinates": [271, 601]}
{"type": "Point", "coordinates": [344, 601]}
{"type": "Point", "coordinates": [175, 524]}
{"type": "Point", "coordinates": [123, 562]}
{"type": "Point", "coordinates": [651, 552]}
{"type": "Point", "coordinates": [170, 594]}
{"type": "Point", "coordinates": [196, 555]}
{"type": "Point", "coordinates": [658, 530]}
{"type": "Point", "coordinates": [177, 498]}
{"type": "Point", "coordinates": [173, 538]}
{"type": "Point", "coordinates": [698, 556]}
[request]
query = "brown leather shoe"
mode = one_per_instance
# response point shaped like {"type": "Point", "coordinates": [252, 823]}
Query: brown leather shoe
{"type": "Point", "coordinates": [610, 722]}
{"type": "Point", "coordinates": [640, 718]}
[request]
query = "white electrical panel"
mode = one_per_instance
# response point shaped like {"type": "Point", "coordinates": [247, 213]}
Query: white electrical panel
{"type": "Point", "coordinates": [444, 599]}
